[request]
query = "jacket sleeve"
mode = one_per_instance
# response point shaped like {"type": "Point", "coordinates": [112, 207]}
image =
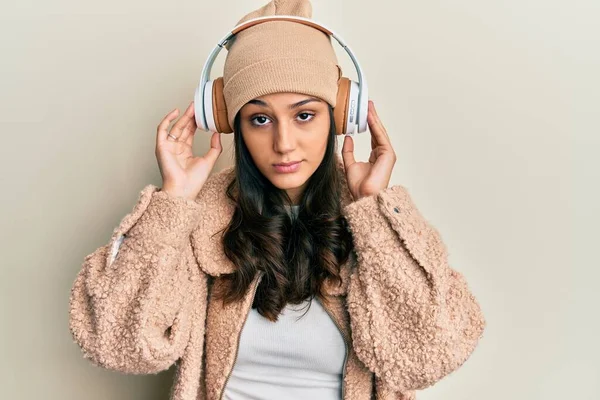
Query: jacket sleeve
{"type": "Point", "coordinates": [134, 301]}
{"type": "Point", "coordinates": [412, 316]}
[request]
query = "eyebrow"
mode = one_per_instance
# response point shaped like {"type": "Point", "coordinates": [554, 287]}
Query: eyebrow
{"type": "Point", "coordinates": [292, 106]}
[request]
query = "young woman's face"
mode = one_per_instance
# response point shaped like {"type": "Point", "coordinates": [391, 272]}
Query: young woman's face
{"type": "Point", "coordinates": [284, 128]}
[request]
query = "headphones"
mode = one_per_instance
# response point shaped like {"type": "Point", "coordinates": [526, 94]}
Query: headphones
{"type": "Point", "coordinates": [352, 99]}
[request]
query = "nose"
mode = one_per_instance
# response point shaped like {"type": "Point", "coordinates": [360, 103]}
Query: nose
{"type": "Point", "coordinates": [284, 140]}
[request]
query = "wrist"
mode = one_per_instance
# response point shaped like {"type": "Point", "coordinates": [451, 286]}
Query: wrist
{"type": "Point", "coordinates": [178, 193]}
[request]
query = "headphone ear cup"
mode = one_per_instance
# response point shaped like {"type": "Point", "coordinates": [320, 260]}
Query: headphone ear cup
{"type": "Point", "coordinates": [340, 111]}
{"type": "Point", "coordinates": [219, 107]}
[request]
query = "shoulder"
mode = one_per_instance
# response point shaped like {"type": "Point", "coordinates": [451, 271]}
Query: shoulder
{"type": "Point", "coordinates": [214, 189]}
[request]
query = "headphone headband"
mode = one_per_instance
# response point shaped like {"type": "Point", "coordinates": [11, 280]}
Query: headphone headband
{"type": "Point", "coordinates": [291, 18]}
{"type": "Point", "coordinates": [362, 84]}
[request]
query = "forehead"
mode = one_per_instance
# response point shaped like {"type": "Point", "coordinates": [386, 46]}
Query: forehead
{"type": "Point", "coordinates": [283, 100]}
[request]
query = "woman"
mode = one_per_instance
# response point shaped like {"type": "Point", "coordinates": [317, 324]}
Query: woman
{"type": "Point", "coordinates": [217, 273]}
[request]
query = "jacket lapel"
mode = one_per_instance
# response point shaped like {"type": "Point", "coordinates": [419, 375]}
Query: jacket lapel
{"type": "Point", "coordinates": [224, 325]}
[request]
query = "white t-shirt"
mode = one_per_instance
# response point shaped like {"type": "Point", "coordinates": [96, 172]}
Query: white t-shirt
{"type": "Point", "coordinates": [297, 357]}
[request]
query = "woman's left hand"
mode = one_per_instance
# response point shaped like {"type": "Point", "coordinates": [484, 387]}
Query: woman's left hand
{"type": "Point", "coordinates": [368, 178]}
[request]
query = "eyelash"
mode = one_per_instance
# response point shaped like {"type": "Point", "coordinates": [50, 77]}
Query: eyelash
{"type": "Point", "coordinates": [312, 115]}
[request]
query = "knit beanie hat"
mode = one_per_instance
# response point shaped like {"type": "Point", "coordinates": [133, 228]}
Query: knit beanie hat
{"type": "Point", "coordinates": [279, 56]}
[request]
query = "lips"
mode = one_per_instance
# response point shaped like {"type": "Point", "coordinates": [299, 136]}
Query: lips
{"type": "Point", "coordinates": [286, 164]}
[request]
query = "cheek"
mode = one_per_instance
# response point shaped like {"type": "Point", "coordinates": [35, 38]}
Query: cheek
{"type": "Point", "coordinates": [258, 146]}
{"type": "Point", "coordinates": [320, 136]}
{"type": "Point", "coordinates": [252, 140]}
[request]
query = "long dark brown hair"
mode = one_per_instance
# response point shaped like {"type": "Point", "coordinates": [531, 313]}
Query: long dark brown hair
{"type": "Point", "coordinates": [295, 254]}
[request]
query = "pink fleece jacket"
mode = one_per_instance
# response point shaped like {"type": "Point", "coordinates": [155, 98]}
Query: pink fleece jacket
{"type": "Point", "coordinates": [142, 302]}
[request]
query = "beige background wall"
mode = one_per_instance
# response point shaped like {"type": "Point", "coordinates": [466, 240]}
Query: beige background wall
{"type": "Point", "coordinates": [492, 107]}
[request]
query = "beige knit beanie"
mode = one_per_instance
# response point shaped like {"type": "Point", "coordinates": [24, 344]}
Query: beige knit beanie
{"type": "Point", "coordinates": [279, 56]}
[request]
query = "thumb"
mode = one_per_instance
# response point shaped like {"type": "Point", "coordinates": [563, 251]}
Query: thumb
{"type": "Point", "coordinates": [348, 151]}
{"type": "Point", "coordinates": [215, 147]}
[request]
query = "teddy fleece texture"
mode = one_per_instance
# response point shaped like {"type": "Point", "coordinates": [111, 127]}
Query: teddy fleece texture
{"type": "Point", "coordinates": [141, 302]}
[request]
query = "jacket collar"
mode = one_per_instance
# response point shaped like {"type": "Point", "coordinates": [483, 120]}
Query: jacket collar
{"type": "Point", "coordinates": [217, 209]}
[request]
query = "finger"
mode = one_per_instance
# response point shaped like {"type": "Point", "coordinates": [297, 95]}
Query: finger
{"type": "Point", "coordinates": [377, 119]}
{"type": "Point", "coordinates": [348, 152]}
{"type": "Point", "coordinates": [183, 121]}
{"type": "Point", "coordinates": [188, 130]}
{"type": "Point", "coordinates": [377, 129]}
{"type": "Point", "coordinates": [382, 167]}
{"type": "Point", "coordinates": [373, 157]}
{"type": "Point", "coordinates": [190, 139]}
{"type": "Point", "coordinates": [216, 148]}
{"type": "Point", "coordinates": [381, 125]}
{"type": "Point", "coordinates": [373, 143]}
{"type": "Point", "coordinates": [161, 130]}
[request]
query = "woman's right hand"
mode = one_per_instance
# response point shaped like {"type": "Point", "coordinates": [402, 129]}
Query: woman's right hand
{"type": "Point", "coordinates": [182, 173]}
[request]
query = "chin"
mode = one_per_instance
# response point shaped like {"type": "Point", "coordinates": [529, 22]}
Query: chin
{"type": "Point", "coordinates": [288, 181]}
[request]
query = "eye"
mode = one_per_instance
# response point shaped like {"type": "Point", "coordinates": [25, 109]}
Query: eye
{"type": "Point", "coordinates": [305, 116]}
{"type": "Point", "coordinates": [259, 120]}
